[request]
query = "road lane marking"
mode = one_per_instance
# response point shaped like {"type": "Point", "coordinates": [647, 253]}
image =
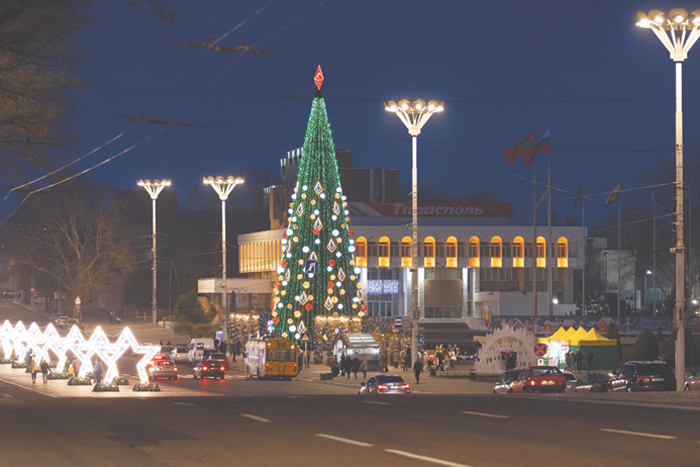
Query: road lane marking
{"type": "Point", "coordinates": [425, 458]}
{"type": "Point", "coordinates": [490, 415]}
{"type": "Point", "coordinates": [6, 396]}
{"type": "Point", "coordinates": [28, 389]}
{"type": "Point", "coordinates": [256, 418]}
{"type": "Point", "coordinates": [345, 440]}
{"type": "Point", "coordinates": [376, 402]}
{"type": "Point", "coordinates": [636, 433]}
{"type": "Point", "coordinates": [183, 403]}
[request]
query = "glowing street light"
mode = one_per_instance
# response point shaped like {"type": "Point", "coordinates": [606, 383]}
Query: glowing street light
{"type": "Point", "coordinates": [414, 115]}
{"type": "Point", "coordinates": [154, 188]}
{"type": "Point", "coordinates": [677, 32]}
{"type": "Point", "coordinates": [223, 187]}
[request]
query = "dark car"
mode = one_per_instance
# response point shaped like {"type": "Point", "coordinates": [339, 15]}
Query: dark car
{"type": "Point", "coordinates": [539, 379]}
{"type": "Point", "coordinates": [643, 376]}
{"type": "Point", "coordinates": [385, 384]}
{"type": "Point", "coordinates": [593, 382]}
{"type": "Point", "coordinates": [693, 381]}
{"type": "Point", "coordinates": [204, 369]}
{"type": "Point", "coordinates": [502, 386]}
{"type": "Point", "coordinates": [218, 357]}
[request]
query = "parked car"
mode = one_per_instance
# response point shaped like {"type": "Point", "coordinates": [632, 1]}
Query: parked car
{"type": "Point", "coordinates": [643, 376]}
{"type": "Point", "coordinates": [385, 384]}
{"type": "Point", "coordinates": [204, 369]}
{"type": "Point", "coordinates": [502, 386]}
{"type": "Point", "coordinates": [540, 379]}
{"type": "Point", "coordinates": [179, 354]}
{"type": "Point", "coordinates": [571, 381]}
{"type": "Point", "coordinates": [163, 369]}
{"type": "Point", "coordinates": [693, 381]}
{"type": "Point", "coordinates": [8, 293]}
{"type": "Point", "coordinates": [593, 382]}
{"type": "Point", "coordinates": [220, 358]}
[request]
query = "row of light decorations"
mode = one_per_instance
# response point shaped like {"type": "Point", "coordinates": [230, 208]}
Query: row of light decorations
{"type": "Point", "coordinates": [20, 340]}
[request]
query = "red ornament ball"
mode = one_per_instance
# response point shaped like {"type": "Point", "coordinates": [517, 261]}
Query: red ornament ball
{"type": "Point", "coordinates": [331, 262]}
{"type": "Point", "coordinates": [277, 285]}
{"type": "Point", "coordinates": [351, 233]}
{"type": "Point", "coordinates": [363, 307]}
{"type": "Point", "coordinates": [284, 234]}
{"type": "Point", "coordinates": [284, 263]}
{"type": "Point", "coordinates": [308, 307]}
{"type": "Point", "coordinates": [272, 307]}
{"type": "Point", "coordinates": [330, 285]}
{"type": "Point", "coordinates": [315, 231]}
{"type": "Point", "coordinates": [275, 320]}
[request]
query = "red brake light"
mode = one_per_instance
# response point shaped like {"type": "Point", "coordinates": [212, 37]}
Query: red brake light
{"type": "Point", "coordinates": [382, 386]}
{"type": "Point", "coordinates": [204, 368]}
{"type": "Point", "coordinates": [533, 382]}
{"type": "Point", "coordinates": [405, 386]}
{"type": "Point", "coordinates": [175, 369]}
{"type": "Point", "coordinates": [222, 368]}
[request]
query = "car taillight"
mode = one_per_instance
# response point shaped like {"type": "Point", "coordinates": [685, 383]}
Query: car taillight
{"type": "Point", "coordinates": [204, 368]}
{"type": "Point", "coordinates": [644, 379]}
{"type": "Point", "coordinates": [222, 368]}
{"type": "Point", "coordinates": [382, 386]}
{"type": "Point", "coordinates": [405, 386]}
{"type": "Point", "coordinates": [175, 369]}
{"type": "Point", "coordinates": [533, 382]}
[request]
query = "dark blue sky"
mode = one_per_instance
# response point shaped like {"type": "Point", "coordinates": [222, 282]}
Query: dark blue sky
{"type": "Point", "coordinates": [504, 68]}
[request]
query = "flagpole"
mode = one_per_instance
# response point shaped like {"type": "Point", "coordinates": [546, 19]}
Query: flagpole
{"type": "Point", "coordinates": [549, 255]}
{"type": "Point", "coordinates": [585, 243]}
{"type": "Point", "coordinates": [534, 237]}
{"type": "Point", "coordinates": [619, 258]}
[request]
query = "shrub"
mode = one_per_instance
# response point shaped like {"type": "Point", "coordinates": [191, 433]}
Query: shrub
{"type": "Point", "coordinates": [645, 347]}
{"type": "Point", "coordinates": [668, 349]}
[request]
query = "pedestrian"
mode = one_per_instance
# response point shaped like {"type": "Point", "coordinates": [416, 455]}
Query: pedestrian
{"type": "Point", "coordinates": [355, 366]}
{"type": "Point", "coordinates": [363, 367]}
{"type": "Point", "coordinates": [234, 350]}
{"type": "Point", "coordinates": [589, 360]}
{"type": "Point", "coordinates": [579, 359]}
{"type": "Point", "coordinates": [308, 360]}
{"type": "Point", "coordinates": [28, 358]}
{"type": "Point", "coordinates": [223, 347]}
{"type": "Point", "coordinates": [568, 360]}
{"type": "Point", "coordinates": [161, 343]}
{"type": "Point", "coordinates": [76, 366]}
{"type": "Point", "coordinates": [169, 343]}
{"type": "Point", "coordinates": [347, 366]}
{"type": "Point", "coordinates": [343, 358]}
{"type": "Point", "coordinates": [98, 369]}
{"type": "Point", "coordinates": [417, 368]}
{"type": "Point", "coordinates": [45, 370]}
{"type": "Point", "coordinates": [395, 359]}
{"type": "Point", "coordinates": [300, 359]}
{"type": "Point", "coordinates": [33, 369]}
{"type": "Point", "coordinates": [402, 357]}
{"type": "Point", "coordinates": [71, 371]}
{"type": "Point", "coordinates": [333, 363]}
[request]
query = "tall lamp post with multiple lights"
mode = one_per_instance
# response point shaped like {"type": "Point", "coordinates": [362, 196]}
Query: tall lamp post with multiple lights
{"type": "Point", "coordinates": [414, 115]}
{"type": "Point", "coordinates": [223, 187]}
{"type": "Point", "coordinates": [677, 32]}
{"type": "Point", "coordinates": [154, 188]}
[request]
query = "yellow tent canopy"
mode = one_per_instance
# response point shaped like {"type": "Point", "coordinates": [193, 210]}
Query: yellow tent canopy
{"type": "Point", "coordinates": [578, 335]}
{"type": "Point", "coordinates": [594, 338]}
{"type": "Point", "coordinates": [560, 335]}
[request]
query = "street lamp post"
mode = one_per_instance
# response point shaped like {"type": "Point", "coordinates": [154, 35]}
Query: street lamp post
{"type": "Point", "coordinates": [154, 188]}
{"type": "Point", "coordinates": [414, 116]}
{"type": "Point", "coordinates": [223, 187]}
{"type": "Point", "coordinates": [646, 276]}
{"type": "Point", "coordinates": [678, 34]}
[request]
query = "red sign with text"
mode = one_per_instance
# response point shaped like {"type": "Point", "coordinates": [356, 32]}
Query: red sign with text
{"type": "Point", "coordinates": [451, 210]}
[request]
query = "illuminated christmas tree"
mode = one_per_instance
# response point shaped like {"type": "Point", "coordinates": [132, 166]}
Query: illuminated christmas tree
{"type": "Point", "coordinates": [317, 276]}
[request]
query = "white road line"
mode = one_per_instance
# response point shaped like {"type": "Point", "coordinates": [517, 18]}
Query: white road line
{"type": "Point", "coordinates": [425, 458]}
{"type": "Point", "coordinates": [376, 402]}
{"type": "Point", "coordinates": [28, 389]}
{"type": "Point", "coordinates": [636, 433]}
{"type": "Point", "coordinates": [490, 415]}
{"type": "Point", "coordinates": [183, 403]}
{"type": "Point", "coordinates": [256, 418]}
{"type": "Point", "coordinates": [345, 440]}
{"type": "Point", "coordinates": [6, 396]}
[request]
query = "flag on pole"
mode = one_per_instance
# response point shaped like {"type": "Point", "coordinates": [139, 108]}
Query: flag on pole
{"type": "Point", "coordinates": [541, 148]}
{"type": "Point", "coordinates": [613, 196]}
{"type": "Point", "coordinates": [579, 195]}
{"type": "Point", "coordinates": [543, 197]}
{"type": "Point", "coordinates": [520, 150]}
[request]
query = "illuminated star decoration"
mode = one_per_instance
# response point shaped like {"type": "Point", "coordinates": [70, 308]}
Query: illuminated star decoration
{"type": "Point", "coordinates": [18, 336]}
{"type": "Point", "coordinates": [54, 342]}
{"type": "Point", "coordinates": [6, 336]}
{"type": "Point", "coordinates": [318, 77]}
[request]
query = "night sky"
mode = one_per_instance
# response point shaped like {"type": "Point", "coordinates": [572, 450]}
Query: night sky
{"type": "Point", "coordinates": [603, 87]}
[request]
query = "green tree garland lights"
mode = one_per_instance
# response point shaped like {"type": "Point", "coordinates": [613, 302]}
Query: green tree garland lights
{"type": "Point", "coordinates": [317, 276]}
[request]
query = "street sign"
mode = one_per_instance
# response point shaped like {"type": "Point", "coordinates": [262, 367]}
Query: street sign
{"type": "Point", "coordinates": [77, 301]}
{"type": "Point", "coordinates": [398, 322]}
{"type": "Point", "coordinates": [540, 349]}
{"type": "Point", "coordinates": [77, 307]}
{"type": "Point", "coordinates": [311, 266]}
{"type": "Point", "coordinates": [302, 328]}
{"type": "Point", "coordinates": [305, 338]}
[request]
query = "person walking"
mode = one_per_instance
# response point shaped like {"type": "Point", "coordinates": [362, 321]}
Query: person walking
{"type": "Point", "coordinates": [308, 360]}
{"type": "Point", "coordinates": [98, 369]}
{"type": "Point", "coordinates": [342, 364]}
{"type": "Point", "coordinates": [363, 367]}
{"type": "Point", "coordinates": [33, 369]}
{"type": "Point", "coordinates": [45, 370]}
{"type": "Point", "coordinates": [395, 359]}
{"type": "Point", "coordinates": [355, 366]}
{"type": "Point", "coordinates": [334, 366]}
{"type": "Point", "coordinates": [76, 366]}
{"type": "Point", "coordinates": [71, 371]}
{"type": "Point", "coordinates": [417, 368]}
{"type": "Point", "coordinates": [589, 360]}
{"type": "Point", "coordinates": [347, 366]}
{"type": "Point", "coordinates": [300, 360]}
{"type": "Point", "coordinates": [579, 359]}
{"type": "Point", "coordinates": [569, 365]}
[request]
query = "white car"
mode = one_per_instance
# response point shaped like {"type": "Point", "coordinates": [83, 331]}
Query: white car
{"type": "Point", "coordinates": [179, 354]}
{"type": "Point", "coordinates": [571, 381]}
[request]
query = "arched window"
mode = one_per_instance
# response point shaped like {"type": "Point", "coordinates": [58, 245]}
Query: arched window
{"type": "Point", "coordinates": [406, 252]}
{"type": "Point", "coordinates": [384, 252]}
{"type": "Point", "coordinates": [361, 252]}
{"type": "Point", "coordinates": [429, 252]}
{"type": "Point", "coordinates": [451, 252]}
{"type": "Point", "coordinates": [518, 252]}
{"type": "Point", "coordinates": [474, 252]}
{"type": "Point", "coordinates": [541, 254]}
{"type": "Point", "coordinates": [496, 260]}
{"type": "Point", "coordinates": [562, 253]}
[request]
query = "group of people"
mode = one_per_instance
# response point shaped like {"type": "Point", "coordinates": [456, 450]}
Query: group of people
{"type": "Point", "coordinates": [72, 368]}
{"type": "Point", "coordinates": [347, 365]}
{"type": "Point", "coordinates": [574, 361]}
